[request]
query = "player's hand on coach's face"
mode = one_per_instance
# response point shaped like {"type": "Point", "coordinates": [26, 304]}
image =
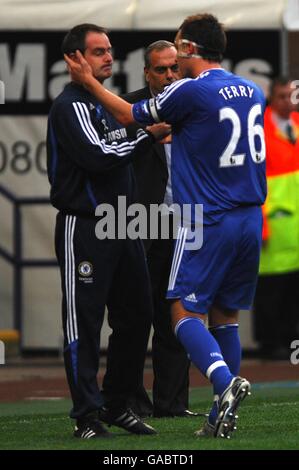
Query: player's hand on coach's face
{"type": "Point", "coordinates": [79, 68]}
{"type": "Point", "coordinates": [160, 131]}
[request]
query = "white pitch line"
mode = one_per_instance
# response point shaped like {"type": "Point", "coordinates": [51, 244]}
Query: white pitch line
{"type": "Point", "coordinates": [44, 398]}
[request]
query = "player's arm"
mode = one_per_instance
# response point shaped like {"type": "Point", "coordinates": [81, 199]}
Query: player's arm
{"type": "Point", "coordinates": [71, 127]}
{"type": "Point", "coordinates": [81, 72]}
{"type": "Point", "coordinates": [169, 106]}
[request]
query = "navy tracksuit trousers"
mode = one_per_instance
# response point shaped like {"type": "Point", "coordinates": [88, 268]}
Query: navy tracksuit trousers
{"type": "Point", "coordinates": [94, 274]}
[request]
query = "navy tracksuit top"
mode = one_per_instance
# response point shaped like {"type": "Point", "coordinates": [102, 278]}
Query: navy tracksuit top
{"type": "Point", "coordinates": [89, 154]}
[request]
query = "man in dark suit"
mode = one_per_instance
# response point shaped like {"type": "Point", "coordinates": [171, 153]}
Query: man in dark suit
{"type": "Point", "coordinates": [152, 171]}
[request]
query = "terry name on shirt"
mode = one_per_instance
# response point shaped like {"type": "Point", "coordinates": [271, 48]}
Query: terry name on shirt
{"type": "Point", "coordinates": [229, 92]}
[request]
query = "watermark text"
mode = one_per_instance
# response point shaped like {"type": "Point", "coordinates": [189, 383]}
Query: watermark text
{"type": "Point", "coordinates": [295, 93]}
{"type": "Point", "coordinates": [2, 92]}
{"type": "Point", "coordinates": [159, 221]}
{"type": "Point", "coordinates": [295, 354]}
{"type": "Point", "coordinates": [2, 352]}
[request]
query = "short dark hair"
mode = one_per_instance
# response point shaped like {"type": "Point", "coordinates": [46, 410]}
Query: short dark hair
{"type": "Point", "coordinates": [75, 38]}
{"type": "Point", "coordinates": [206, 31]}
{"type": "Point", "coordinates": [278, 81]}
{"type": "Point", "coordinates": [155, 46]}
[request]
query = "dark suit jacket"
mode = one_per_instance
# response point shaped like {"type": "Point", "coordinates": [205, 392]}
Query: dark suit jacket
{"type": "Point", "coordinates": [151, 168]}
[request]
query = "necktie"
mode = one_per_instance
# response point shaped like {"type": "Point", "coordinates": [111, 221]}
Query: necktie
{"type": "Point", "coordinates": [290, 133]}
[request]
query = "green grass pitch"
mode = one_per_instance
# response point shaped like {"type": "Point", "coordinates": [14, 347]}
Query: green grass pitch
{"type": "Point", "coordinates": [268, 420]}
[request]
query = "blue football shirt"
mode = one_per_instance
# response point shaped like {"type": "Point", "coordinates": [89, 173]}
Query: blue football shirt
{"type": "Point", "coordinates": [218, 147]}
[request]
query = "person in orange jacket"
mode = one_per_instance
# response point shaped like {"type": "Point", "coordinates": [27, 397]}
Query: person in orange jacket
{"type": "Point", "coordinates": [276, 318]}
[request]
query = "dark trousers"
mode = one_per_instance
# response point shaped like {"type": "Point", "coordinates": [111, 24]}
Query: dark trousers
{"type": "Point", "coordinates": [169, 358]}
{"type": "Point", "coordinates": [170, 361]}
{"type": "Point", "coordinates": [276, 311]}
{"type": "Point", "coordinates": [95, 273]}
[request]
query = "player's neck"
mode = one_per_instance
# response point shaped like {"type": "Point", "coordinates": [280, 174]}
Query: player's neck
{"type": "Point", "coordinates": [204, 65]}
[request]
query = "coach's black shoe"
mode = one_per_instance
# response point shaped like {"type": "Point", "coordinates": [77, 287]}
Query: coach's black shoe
{"type": "Point", "coordinates": [125, 419]}
{"type": "Point", "coordinates": [91, 428]}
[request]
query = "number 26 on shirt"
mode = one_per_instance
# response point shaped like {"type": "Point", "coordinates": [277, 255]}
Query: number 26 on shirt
{"type": "Point", "coordinates": [228, 157]}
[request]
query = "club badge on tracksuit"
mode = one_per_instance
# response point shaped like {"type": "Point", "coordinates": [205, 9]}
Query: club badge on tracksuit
{"type": "Point", "coordinates": [85, 270]}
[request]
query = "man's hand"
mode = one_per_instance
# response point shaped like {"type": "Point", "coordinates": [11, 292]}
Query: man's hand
{"type": "Point", "coordinates": [79, 69]}
{"type": "Point", "coordinates": [159, 131]}
{"type": "Point", "coordinates": [166, 140]}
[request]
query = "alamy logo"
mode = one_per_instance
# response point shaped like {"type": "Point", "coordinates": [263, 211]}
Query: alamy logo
{"type": "Point", "coordinates": [191, 298]}
{"type": "Point", "coordinates": [295, 93]}
{"type": "Point", "coordinates": [2, 93]}
{"type": "Point", "coordinates": [2, 352]}
{"type": "Point", "coordinates": [294, 358]}
{"type": "Point", "coordinates": [137, 221]}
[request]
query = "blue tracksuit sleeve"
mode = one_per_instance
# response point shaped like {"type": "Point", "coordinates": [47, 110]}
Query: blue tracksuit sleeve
{"type": "Point", "coordinates": [78, 134]}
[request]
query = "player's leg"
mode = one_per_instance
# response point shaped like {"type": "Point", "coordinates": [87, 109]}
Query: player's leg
{"type": "Point", "coordinates": [224, 327]}
{"type": "Point", "coordinates": [223, 324]}
{"type": "Point", "coordinates": [200, 345]}
{"type": "Point", "coordinates": [236, 291]}
{"type": "Point", "coordinates": [205, 353]}
{"type": "Point", "coordinates": [195, 280]}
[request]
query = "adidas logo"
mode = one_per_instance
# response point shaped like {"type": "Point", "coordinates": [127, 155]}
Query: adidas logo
{"type": "Point", "coordinates": [191, 298]}
{"type": "Point", "coordinates": [91, 106]}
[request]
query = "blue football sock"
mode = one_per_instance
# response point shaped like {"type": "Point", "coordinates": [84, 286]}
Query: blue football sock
{"type": "Point", "coordinates": [204, 352]}
{"type": "Point", "coordinates": [227, 336]}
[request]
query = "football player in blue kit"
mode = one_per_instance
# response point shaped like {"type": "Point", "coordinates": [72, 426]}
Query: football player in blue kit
{"type": "Point", "coordinates": [218, 160]}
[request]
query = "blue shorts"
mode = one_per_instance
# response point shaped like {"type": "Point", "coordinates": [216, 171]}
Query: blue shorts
{"type": "Point", "coordinates": [224, 270]}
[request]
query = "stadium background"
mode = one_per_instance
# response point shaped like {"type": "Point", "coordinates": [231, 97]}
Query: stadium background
{"type": "Point", "coordinates": [263, 37]}
{"type": "Point", "coordinates": [261, 44]}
